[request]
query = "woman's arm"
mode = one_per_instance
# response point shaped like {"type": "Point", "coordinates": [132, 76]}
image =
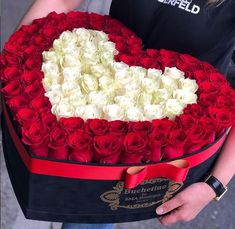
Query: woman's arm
{"type": "Point", "coordinates": [40, 8]}
{"type": "Point", "coordinates": [186, 205]}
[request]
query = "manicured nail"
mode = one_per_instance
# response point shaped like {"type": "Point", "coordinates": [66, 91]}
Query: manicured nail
{"type": "Point", "coordinates": [159, 211]}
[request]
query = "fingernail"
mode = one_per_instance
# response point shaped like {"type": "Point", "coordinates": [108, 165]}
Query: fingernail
{"type": "Point", "coordinates": [159, 211]}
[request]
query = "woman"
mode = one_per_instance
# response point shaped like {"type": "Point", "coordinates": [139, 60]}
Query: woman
{"type": "Point", "coordinates": [202, 28]}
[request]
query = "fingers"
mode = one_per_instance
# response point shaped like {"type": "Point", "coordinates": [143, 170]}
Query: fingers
{"type": "Point", "coordinates": [181, 214]}
{"type": "Point", "coordinates": [170, 205]}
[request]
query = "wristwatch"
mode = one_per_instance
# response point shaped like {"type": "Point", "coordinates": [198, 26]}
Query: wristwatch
{"type": "Point", "coordinates": [217, 186]}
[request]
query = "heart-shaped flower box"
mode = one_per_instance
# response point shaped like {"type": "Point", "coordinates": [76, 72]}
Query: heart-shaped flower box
{"type": "Point", "coordinates": [56, 189]}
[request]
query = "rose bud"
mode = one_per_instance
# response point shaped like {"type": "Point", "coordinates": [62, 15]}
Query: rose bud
{"type": "Point", "coordinates": [135, 148]}
{"type": "Point", "coordinates": [36, 137]}
{"type": "Point", "coordinates": [144, 127]}
{"type": "Point", "coordinates": [175, 143]}
{"type": "Point", "coordinates": [26, 116]}
{"type": "Point", "coordinates": [72, 124]}
{"type": "Point", "coordinates": [96, 126]}
{"type": "Point", "coordinates": [107, 148]}
{"type": "Point", "coordinates": [57, 144]}
{"type": "Point", "coordinates": [80, 147]}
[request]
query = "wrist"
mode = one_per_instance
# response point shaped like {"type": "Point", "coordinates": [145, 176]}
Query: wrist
{"type": "Point", "coordinates": [210, 193]}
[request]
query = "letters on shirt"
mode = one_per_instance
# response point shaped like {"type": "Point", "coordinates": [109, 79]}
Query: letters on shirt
{"type": "Point", "coordinates": [183, 4]}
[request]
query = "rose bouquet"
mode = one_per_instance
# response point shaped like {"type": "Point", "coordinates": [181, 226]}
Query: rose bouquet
{"type": "Point", "coordinates": [80, 90]}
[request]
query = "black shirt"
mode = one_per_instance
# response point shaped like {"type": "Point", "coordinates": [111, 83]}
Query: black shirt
{"type": "Point", "coordinates": [186, 26]}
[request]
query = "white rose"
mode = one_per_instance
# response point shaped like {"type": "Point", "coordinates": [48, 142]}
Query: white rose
{"type": "Point", "coordinates": [98, 70]}
{"type": "Point", "coordinates": [144, 98]}
{"type": "Point", "coordinates": [150, 85]}
{"type": "Point", "coordinates": [89, 112]}
{"type": "Point", "coordinates": [185, 96]}
{"type": "Point", "coordinates": [174, 73]}
{"type": "Point", "coordinates": [89, 83]}
{"type": "Point", "coordinates": [54, 96]}
{"type": "Point", "coordinates": [154, 112]}
{"type": "Point", "coordinates": [63, 109]}
{"type": "Point", "coordinates": [105, 82]}
{"type": "Point", "coordinates": [173, 107]}
{"type": "Point", "coordinates": [123, 76]}
{"type": "Point", "coordinates": [77, 99]}
{"type": "Point", "coordinates": [135, 114]}
{"type": "Point", "coordinates": [124, 101]}
{"type": "Point", "coordinates": [82, 34]}
{"type": "Point", "coordinates": [100, 98]}
{"type": "Point", "coordinates": [188, 84]}
{"type": "Point", "coordinates": [50, 68]}
{"type": "Point", "coordinates": [70, 61]}
{"type": "Point", "coordinates": [119, 66]}
{"type": "Point", "coordinates": [161, 95]}
{"type": "Point", "coordinates": [154, 73]}
{"type": "Point", "coordinates": [69, 88]}
{"type": "Point", "coordinates": [113, 112]}
{"type": "Point", "coordinates": [138, 72]}
{"type": "Point", "coordinates": [71, 73]}
{"type": "Point", "coordinates": [50, 56]}
{"type": "Point", "coordinates": [168, 83]}
{"type": "Point", "coordinates": [68, 37]}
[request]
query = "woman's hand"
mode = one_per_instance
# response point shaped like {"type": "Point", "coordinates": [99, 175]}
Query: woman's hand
{"type": "Point", "coordinates": [186, 205]}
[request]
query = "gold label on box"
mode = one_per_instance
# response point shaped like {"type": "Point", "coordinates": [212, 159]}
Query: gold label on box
{"type": "Point", "coordinates": [148, 193]}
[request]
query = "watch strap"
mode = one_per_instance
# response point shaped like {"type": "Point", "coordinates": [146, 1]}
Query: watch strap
{"type": "Point", "coordinates": [217, 186]}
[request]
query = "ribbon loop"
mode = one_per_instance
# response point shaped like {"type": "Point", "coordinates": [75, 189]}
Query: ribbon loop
{"type": "Point", "coordinates": [176, 171]}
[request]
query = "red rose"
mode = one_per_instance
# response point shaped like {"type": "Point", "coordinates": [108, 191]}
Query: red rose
{"type": "Point", "coordinates": [186, 121]}
{"type": "Point", "coordinates": [107, 148]}
{"type": "Point", "coordinates": [209, 87]}
{"type": "Point", "coordinates": [164, 125]}
{"type": "Point", "coordinates": [36, 137]}
{"type": "Point", "coordinates": [29, 77]}
{"type": "Point", "coordinates": [78, 19]}
{"type": "Point", "coordinates": [157, 140]}
{"type": "Point", "coordinates": [32, 50]}
{"type": "Point", "coordinates": [34, 62]}
{"type": "Point", "coordinates": [195, 110]}
{"type": "Point", "coordinates": [57, 144]}
{"type": "Point", "coordinates": [80, 147]}
{"type": "Point", "coordinates": [188, 59]}
{"type": "Point", "coordinates": [41, 104]}
{"type": "Point", "coordinates": [14, 59]}
{"type": "Point", "coordinates": [224, 101]}
{"type": "Point", "coordinates": [97, 126]}
{"type": "Point", "coordinates": [148, 62]}
{"type": "Point", "coordinates": [206, 100]}
{"type": "Point", "coordinates": [128, 59]}
{"type": "Point", "coordinates": [72, 124]}
{"type": "Point", "coordinates": [200, 76]}
{"type": "Point", "coordinates": [30, 30]}
{"type": "Point", "coordinates": [152, 52]}
{"type": "Point", "coordinates": [17, 103]}
{"type": "Point", "coordinates": [175, 143]}
{"type": "Point", "coordinates": [222, 117]}
{"type": "Point", "coordinates": [207, 123]}
{"type": "Point", "coordinates": [10, 73]}
{"type": "Point", "coordinates": [217, 77]}
{"type": "Point", "coordinates": [118, 127]}
{"type": "Point", "coordinates": [34, 90]}
{"type": "Point", "coordinates": [198, 137]}
{"type": "Point", "coordinates": [144, 127]}
{"type": "Point", "coordinates": [26, 116]}
{"type": "Point", "coordinates": [12, 89]}
{"type": "Point", "coordinates": [96, 21]}
{"type": "Point", "coordinates": [50, 31]}
{"type": "Point", "coordinates": [48, 119]}
{"type": "Point", "coordinates": [136, 147]}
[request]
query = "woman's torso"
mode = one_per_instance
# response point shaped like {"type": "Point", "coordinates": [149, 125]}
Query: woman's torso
{"type": "Point", "coordinates": [186, 26]}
